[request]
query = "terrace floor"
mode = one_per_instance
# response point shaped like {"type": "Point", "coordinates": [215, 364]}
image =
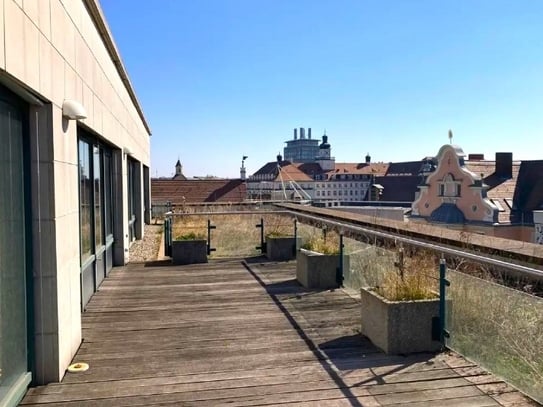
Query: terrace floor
{"type": "Point", "coordinates": [229, 333]}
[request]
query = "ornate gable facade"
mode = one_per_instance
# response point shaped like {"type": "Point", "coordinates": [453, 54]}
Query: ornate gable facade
{"type": "Point", "coordinates": [454, 194]}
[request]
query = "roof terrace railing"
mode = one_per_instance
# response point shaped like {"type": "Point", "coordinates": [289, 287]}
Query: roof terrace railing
{"type": "Point", "coordinates": [498, 326]}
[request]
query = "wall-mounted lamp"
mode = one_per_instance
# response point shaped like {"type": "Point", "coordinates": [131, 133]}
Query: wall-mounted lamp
{"type": "Point", "coordinates": [73, 110]}
{"type": "Point", "coordinates": [127, 151]}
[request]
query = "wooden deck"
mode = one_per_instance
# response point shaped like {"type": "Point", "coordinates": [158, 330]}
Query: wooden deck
{"type": "Point", "coordinates": [226, 334]}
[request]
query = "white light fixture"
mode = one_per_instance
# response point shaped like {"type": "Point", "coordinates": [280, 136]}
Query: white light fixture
{"type": "Point", "coordinates": [127, 151]}
{"type": "Point", "coordinates": [73, 110]}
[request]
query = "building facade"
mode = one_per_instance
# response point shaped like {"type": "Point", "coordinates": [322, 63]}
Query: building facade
{"type": "Point", "coordinates": [74, 180]}
{"type": "Point", "coordinates": [303, 149]}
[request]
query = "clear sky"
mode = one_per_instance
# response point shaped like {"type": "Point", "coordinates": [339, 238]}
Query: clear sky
{"type": "Point", "coordinates": [221, 79]}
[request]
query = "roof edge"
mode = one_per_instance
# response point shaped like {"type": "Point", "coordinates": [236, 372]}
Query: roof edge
{"type": "Point", "coordinates": [97, 15]}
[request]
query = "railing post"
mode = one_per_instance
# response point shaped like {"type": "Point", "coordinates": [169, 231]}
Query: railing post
{"type": "Point", "coordinates": [443, 284]}
{"type": "Point", "coordinates": [168, 236]}
{"type": "Point", "coordinates": [262, 246]}
{"type": "Point", "coordinates": [339, 274]}
{"type": "Point", "coordinates": [295, 236]}
{"type": "Point", "coordinates": [209, 228]}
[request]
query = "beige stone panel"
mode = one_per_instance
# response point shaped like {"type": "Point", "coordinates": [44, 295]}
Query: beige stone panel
{"type": "Point", "coordinates": [108, 124]}
{"type": "Point", "coordinates": [68, 309]}
{"type": "Point", "coordinates": [19, 3]}
{"type": "Point", "coordinates": [2, 43]}
{"type": "Point", "coordinates": [45, 66]}
{"type": "Point", "coordinates": [88, 104]}
{"type": "Point", "coordinates": [97, 113]}
{"type": "Point", "coordinates": [59, 21]}
{"type": "Point", "coordinates": [44, 20]}
{"type": "Point", "coordinates": [32, 10]}
{"type": "Point", "coordinates": [62, 32]}
{"type": "Point", "coordinates": [83, 60]}
{"type": "Point", "coordinates": [86, 28]}
{"type": "Point", "coordinates": [78, 88]}
{"type": "Point", "coordinates": [14, 20]}
{"type": "Point", "coordinates": [57, 77]}
{"type": "Point", "coordinates": [98, 79]}
{"type": "Point", "coordinates": [73, 9]}
{"type": "Point", "coordinates": [70, 82]}
{"type": "Point", "coordinates": [65, 138]}
{"type": "Point", "coordinates": [66, 194]}
{"type": "Point", "coordinates": [32, 54]}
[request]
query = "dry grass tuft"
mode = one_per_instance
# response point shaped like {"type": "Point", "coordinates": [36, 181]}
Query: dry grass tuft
{"type": "Point", "coordinates": [417, 280]}
{"type": "Point", "coordinates": [327, 243]}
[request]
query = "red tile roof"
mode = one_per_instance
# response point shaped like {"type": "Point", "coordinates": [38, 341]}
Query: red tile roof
{"type": "Point", "coordinates": [196, 191]}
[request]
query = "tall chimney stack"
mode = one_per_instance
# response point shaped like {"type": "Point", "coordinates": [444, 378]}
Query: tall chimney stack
{"type": "Point", "coordinates": [302, 133]}
{"type": "Point", "coordinates": [309, 133]}
{"type": "Point", "coordinates": [295, 134]}
{"type": "Point", "coordinates": [504, 165]}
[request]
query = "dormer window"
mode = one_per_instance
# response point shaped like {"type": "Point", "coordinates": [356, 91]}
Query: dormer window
{"type": "Point", "coordinates": [449, 187]}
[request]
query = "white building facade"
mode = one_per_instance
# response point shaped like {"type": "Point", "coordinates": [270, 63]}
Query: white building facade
{"type": "Point", "coordinates": [74, 180]}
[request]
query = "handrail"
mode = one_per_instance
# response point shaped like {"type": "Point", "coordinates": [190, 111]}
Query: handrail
{"type": "Point", "coordinates": [532, 272]}
{"type": "Point", "coordinates": [523, 270]}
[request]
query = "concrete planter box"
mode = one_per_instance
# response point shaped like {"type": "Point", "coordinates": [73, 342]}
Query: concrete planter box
{"type": "Point", "coordinates": [317, 270]}
{"type": "Point", "coordinates": [189, 251]}
{"type": "Point", "coordinates": [282, 248]}
{"type": "Point", "coordinates": [399, 327]}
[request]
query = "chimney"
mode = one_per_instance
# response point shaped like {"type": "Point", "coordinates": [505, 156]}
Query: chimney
{"type": "Point", "coordinates": [302, 133]}
{"type": "Point", "coordinates": [476, 157]}
{"type": "Point", "coordinates": [504, 165]}
{"type": "Point", "coordinates": [309, 133]}
{"type": "Point", "coordinates": [368, 158]}
{"type": "Point", "coordinates": [295, 134]}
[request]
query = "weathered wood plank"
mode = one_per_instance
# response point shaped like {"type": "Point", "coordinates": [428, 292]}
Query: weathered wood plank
{"type": "Point", "coordinates": [218, 334]}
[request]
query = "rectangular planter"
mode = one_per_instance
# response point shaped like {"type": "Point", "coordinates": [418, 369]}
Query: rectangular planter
{"type": "Point", "coordinates": [189, 251]}
{"type": "Point", "coordinates": [399, 327]}
{"type": "Point", "coordinates": [317, 270]}
{"type": "Point", "coordinates": [282, 248]}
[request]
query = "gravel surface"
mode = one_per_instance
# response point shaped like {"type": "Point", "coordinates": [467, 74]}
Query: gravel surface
{"type": "Point", "coordinates": [147, 248]}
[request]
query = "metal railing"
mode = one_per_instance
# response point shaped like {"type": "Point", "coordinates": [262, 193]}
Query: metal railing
{"type": "Point", "coordinates": [499, 327]}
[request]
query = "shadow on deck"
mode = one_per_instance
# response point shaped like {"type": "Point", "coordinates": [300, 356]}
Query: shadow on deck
{"type": "Point", "coordinates": [243, 333]}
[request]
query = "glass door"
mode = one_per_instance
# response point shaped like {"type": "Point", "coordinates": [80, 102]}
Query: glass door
{"type": "Point", "coordinates": [14, 376]}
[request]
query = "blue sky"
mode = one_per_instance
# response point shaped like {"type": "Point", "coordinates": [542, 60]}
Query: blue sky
{"type": "Point", "coordinates": [221, 79]}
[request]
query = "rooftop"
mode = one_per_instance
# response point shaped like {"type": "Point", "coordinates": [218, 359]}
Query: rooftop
{"type": "Point", "coordinates": [235, 333]}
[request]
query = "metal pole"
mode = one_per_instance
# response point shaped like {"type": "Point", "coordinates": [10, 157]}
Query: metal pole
{"type": "Point", "coordinates": [295, 235]}
{"type": "Point", "coordinates": [262, 246]}
{"type": "Point", "coordinates": [209, 227]}
{"type": "Point", "coordinates": [443, 284]}
{"type": "Point", "coordinates": [339, 275]}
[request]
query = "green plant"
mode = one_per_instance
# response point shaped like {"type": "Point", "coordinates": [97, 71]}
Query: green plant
{"type": "Point", "coordinates": [414, 279]}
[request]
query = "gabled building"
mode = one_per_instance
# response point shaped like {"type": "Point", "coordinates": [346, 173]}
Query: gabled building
{"type": "Point", "coordinates": [280, 180]}
{"type": "Point", "coordinates": [495, 197]}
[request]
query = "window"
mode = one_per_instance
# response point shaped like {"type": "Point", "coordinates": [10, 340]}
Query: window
{"type": "Point", "coordinates": [131, 164]}
{"type": "Point", "coordinates": [97, 183]}
{"type": "Point", "coordinates": [85, 201]}
{"type": "Point", "coordinates": [95, 196]}
{"type": "Point", "coordinates": [449, 187]}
